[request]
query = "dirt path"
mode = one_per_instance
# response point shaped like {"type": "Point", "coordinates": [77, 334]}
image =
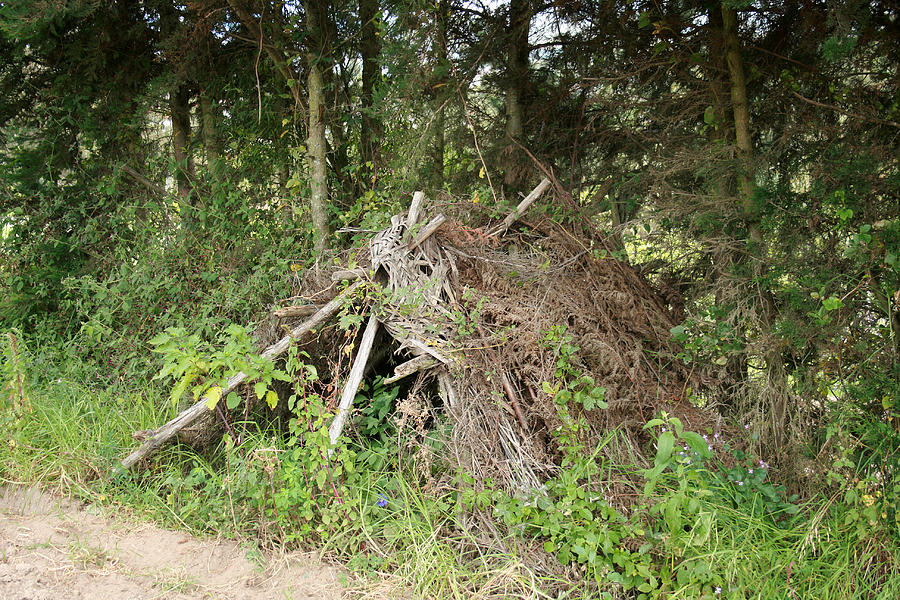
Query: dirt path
{"type": "Point", "coordinates": [53, 549]}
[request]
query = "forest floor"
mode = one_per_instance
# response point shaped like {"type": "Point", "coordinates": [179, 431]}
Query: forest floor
{"type": "Point", "coordinates": [52, 548]}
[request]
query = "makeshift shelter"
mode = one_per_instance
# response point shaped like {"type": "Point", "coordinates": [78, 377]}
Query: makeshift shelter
{"type": "Point", "coordinates": [483, 313]}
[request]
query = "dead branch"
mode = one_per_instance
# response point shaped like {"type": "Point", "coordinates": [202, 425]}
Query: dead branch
{"type": "Point", "coordinates": [521, 208]}
{"type": "Point", "coordinates": [302, 310]}
{"type": "Point", "coordinates": [410, 367]}
{"type": "Point", "coordinates": [353, 381]}
{"type": "Point", "coordinates": [432, 226]}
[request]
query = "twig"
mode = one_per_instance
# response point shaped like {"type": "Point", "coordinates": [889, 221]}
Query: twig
{"type": "Point", "coordinates": [143, 180]}
{"type": "Point", "coordinates": [846, 112]}
{"type": "Point", "coordinates": [484, 166]}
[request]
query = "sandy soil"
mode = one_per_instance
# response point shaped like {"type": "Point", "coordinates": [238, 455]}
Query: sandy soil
{"type": "Point", "coordinates": [52, 549]}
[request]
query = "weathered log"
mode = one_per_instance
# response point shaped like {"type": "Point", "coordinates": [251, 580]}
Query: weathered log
{"type": "Point", "coordinates": [190, 414]}
{"type": "Point", "coordinates": [353, 381]}
{"type": "Point", "coordinates": [347, 275]}
{"type": "Point", "coordinates": [521, 208]}
{"type": "Point", "coordinates": [301, 310]}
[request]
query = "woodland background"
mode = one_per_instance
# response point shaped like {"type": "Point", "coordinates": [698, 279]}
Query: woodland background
{"type": "Point", "coordinates": [172, 164]}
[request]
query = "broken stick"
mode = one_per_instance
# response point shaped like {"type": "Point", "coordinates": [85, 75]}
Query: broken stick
{"type": "Point", "coordinates": [353, 381]}
{"type": "Point", "coordinates": [410, 367]}
{"type": "Point", "coordinates": [300, 310]}
{"type": "Point", "coordinates": [191, 414]}
{"type": "Point", "coordinates": [415, 206]}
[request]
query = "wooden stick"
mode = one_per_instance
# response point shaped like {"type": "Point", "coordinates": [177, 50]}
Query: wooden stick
{"type": "Point", "coordinates": [153, 187]}
{"type": "Point", "coordinates": [426, 233]}
{"type": "Point", "coordinates": [353, 381]}
{"type": "Point", "coordinates": [419, 363]}
{"type": "Point", "coordinates": [447, 392]}
{"type": "Point", "coordinates": [191, 414]}
{"type": "Point", "coordinates": [513, 400]}
{"type": "Point", "coordinates": [521, 208]}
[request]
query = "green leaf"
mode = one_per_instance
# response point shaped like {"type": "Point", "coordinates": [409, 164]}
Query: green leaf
{"type": "Point", "coordinates": [260, 388]}
{"type": "Point", "coordinates": [159, 339]}
{"type": "Point", "coordinates": [179, 389]}
{"type": "Point", "coordinates": [832, 303]}
{"type": "Point", "coordinates": [653, 423]}
{"type": "Point", "coordinates": [320, 478]}
{"type": "Point", "coordinates": [664, 447]}
{"type": "Point", "coordinates": [549, 547]}
{"type": "Point", "coordinates": [232, 401]}
{"type": "Point", "coordinates": [697, 443]}
{"type": "Point", "coordinates": [271, 399]}
{"type": "Point", "coordinates": [212, 397]}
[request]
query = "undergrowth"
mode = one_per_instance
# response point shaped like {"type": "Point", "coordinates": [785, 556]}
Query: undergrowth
{"type": "Point", "coordinates": [705, 520]}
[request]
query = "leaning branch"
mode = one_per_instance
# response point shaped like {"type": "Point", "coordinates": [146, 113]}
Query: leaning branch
{"type": "Point", "coordinates": [191, 414]}
{"type": "Point", "coordinates": [353, 381]}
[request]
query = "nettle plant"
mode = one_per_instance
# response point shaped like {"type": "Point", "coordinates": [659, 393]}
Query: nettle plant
{"type": "Point", "coordinates": [203, 368]}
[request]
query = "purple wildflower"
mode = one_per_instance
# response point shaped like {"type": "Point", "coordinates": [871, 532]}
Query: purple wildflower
{"type": "Point", "coordinates": [382, 500]}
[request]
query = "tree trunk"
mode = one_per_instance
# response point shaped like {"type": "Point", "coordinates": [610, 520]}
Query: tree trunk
{"type": "Point", "coordinates": [519, 27]}
{"type": "Point", "coordinates": [180, 113]}
{"type": "Point", "coordinates": [777, 394]}
{"type": "Point", "coordinates": [370, 132]}
{"type": "Point", "coordinates": [439, 93]}
{"type": "Point", "coordinates": [741, 110]}
{"type": "Point", "coordinates": [316, 143]}
{"type": "Point", "coordinates": [722, 183]}
{"type": "Point", "coordinates": [208, 118]}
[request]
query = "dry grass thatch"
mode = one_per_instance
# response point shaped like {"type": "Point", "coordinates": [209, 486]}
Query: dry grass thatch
{"type": "Point", "coordinates": [477, 306]}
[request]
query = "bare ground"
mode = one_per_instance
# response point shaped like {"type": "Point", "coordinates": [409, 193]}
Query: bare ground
{"type": "Point", "coordinates": [53, 549]}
